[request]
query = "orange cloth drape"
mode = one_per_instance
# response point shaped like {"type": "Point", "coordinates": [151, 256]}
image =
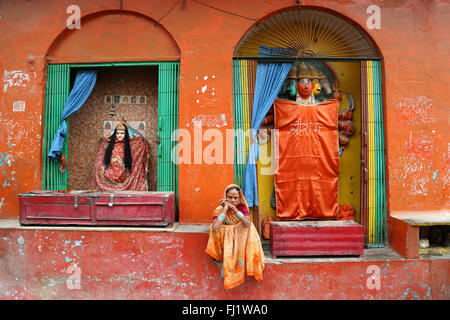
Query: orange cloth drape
{"type": "Point", "coordinates": [306, 179]}
{"type": "Point", "coordinates": [238, 247]}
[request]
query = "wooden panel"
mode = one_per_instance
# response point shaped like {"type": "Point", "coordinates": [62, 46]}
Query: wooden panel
{"type": "Point", "coordinates": [57, 91]}
{"type": "Point", "coordinates": [56, 209]}
{"type": "Point", "coordinates": [155, 209]}
{"type": "Point", "coordinates": [98, 208]}
{"type": "Point", "coordinates": [132, 208]}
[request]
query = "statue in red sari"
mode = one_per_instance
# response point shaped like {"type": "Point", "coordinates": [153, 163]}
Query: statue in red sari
{"type": "Point", "coordinates": [121, 162]}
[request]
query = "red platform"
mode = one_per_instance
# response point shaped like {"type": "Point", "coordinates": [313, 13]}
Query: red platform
{"type": "Point", "coordinates": [316, 238]}
{"type": "Point", "coordinates": [122, 208]}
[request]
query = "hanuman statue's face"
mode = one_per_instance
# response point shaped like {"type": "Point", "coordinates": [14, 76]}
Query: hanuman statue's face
{"type": "Point", "coordinates": [305, 87]}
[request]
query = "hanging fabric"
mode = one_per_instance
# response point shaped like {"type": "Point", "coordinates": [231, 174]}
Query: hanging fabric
{"type": "Point", "coordinates": [269, 79]}
{"type": "Point", "coordinates": [306, 180]}
{"type": "Point", "coordinates": [84, 83]}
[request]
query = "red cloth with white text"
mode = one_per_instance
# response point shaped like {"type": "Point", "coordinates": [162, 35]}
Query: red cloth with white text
{"type": "Point", "coordinates": [306, 178]}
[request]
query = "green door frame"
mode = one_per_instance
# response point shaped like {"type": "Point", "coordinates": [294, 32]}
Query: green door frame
{"type": "Point", "coordinates": [57, 91]}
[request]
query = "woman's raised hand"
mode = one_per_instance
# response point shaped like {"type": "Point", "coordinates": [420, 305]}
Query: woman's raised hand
{"type": "Point", "coordinates": [232, 207]}
{"type": "Point", "coordinates": [225, 206]}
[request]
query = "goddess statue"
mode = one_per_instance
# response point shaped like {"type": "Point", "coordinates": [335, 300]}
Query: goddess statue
{"type": "Point", "coordinates": [121, 162]}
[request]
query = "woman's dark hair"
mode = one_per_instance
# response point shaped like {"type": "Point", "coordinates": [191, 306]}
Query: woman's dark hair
{"type": "Point", "coordinates": [234, 188]}
{"type": "Point", "coordinates": [127, 151]}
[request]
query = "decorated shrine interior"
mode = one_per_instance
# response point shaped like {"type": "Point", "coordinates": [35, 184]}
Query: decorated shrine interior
{"type": "Point", "coordinates": [122, 90]}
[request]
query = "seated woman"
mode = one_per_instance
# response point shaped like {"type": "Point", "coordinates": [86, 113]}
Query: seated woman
{"type": "Point", "coordinates": [121, 162]}
{"type": "Point", "coordinates": [234, 241]}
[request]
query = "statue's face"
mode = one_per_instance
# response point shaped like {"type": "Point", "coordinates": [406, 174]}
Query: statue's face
{"type": "Point", "coordinates": [305, 87]}
{"type": "Point", "coordinates": [325, 84]}
{"type": "Point", "coordinates": [317, 88]}
{"type": "Point", "coordinates": [291, 87]}
{"type": "Point", "coordinates": [120, 134]}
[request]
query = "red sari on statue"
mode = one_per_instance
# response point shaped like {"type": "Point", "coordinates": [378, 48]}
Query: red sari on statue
{"type": "Point", "coordinates": [115, 177]}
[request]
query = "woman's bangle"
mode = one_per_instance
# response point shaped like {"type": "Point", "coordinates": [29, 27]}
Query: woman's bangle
{"type": "Point", "coordinates": [239, 215]}
{"type": "Point", "coordinates": [221, 217]}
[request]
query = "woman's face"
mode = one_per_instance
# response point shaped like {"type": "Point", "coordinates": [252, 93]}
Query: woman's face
{"type": "Point", "coordinates": [120, 134]}
{"type": "Point", "coordinates": [233, 197]}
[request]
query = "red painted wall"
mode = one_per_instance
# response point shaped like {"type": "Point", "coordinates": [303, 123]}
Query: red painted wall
{"type": "Point", "coordinates": [41, 264]}
{"type": "Point", "coordinates": [412, 41]}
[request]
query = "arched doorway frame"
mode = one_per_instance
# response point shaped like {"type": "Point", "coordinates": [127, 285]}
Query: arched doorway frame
{"type": "Point", "coordinates": [373, 204]}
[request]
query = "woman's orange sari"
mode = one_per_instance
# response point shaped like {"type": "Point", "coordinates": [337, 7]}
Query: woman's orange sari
{"type": "Point", "coordinates": [237, 246]}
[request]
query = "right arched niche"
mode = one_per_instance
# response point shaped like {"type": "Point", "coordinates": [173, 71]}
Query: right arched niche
{"type": "Point", "coordinates": [349, 58]}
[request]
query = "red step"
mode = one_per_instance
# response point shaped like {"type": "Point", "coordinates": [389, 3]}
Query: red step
{"type": "Point", "coordinates": [316, 238]}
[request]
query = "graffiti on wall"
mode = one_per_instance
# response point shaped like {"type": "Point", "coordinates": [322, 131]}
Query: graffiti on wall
{"type": "Point", "coordinates": [416, 171]}
{"type": "Point", "coordinates": [415, 110]}
{"type": "Point", "coordinates": [15, 79]}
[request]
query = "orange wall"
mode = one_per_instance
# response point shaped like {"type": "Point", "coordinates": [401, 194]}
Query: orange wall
{"type": "Point", "coordinates": [412, 40]}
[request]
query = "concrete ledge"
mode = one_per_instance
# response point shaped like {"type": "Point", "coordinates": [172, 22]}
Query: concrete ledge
{"type": "Point", "coordinates": [404, 230]}
{"type": "Point", "coordinates": [42, 263]}
{"type": "Point", "coordinates": [432, 218]}
{"type": "Point", "coordinates": [177, 227]}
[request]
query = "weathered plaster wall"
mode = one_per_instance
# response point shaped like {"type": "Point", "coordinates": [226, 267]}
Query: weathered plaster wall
{"type": "Point", "coordinates": [412, 40]}
{"type": "Point", "coordinates": [44, 264]}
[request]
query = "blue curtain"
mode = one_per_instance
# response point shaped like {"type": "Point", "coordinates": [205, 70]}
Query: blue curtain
{"type": "Point", "coordinates": [269, 79]}
{"type": "Point", "coordinates": [84, 83]}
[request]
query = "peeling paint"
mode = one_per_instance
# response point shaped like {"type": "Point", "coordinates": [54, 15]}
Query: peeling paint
{"type": "Point", "coordinates": [15, 79]}
{"type": "Point", "coordinates": [415, 110]}
{"type": "Point", "coordinates": [2, 203]}
{"type": "Point", "coordinates": [5, 158]}
{"type": "Point", "coordinates": [210, 120]}
{"type": "Point", "coordinates": [18, 106]}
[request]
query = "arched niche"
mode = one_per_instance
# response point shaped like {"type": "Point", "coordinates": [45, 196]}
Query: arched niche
{"type": "Point", "coordinates": [331, 42]}
{"type": "Point", "coordinates": [114, 36]}
{"type": "Point", "coordinates": [134, 57]}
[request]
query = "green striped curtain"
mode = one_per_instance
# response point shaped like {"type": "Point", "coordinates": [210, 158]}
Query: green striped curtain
{"type": "Point", "coordinates": [243, 92]}
{"type": "Point", "coordinates": [373, 186]}
{"type": "Point", "coordinates": [57, 91]}
{"type": "Point", "coordinates": [168, 87]}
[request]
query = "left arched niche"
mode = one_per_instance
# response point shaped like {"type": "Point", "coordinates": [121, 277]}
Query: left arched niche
{"type": "Point", "coordinates": [112, 37]}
